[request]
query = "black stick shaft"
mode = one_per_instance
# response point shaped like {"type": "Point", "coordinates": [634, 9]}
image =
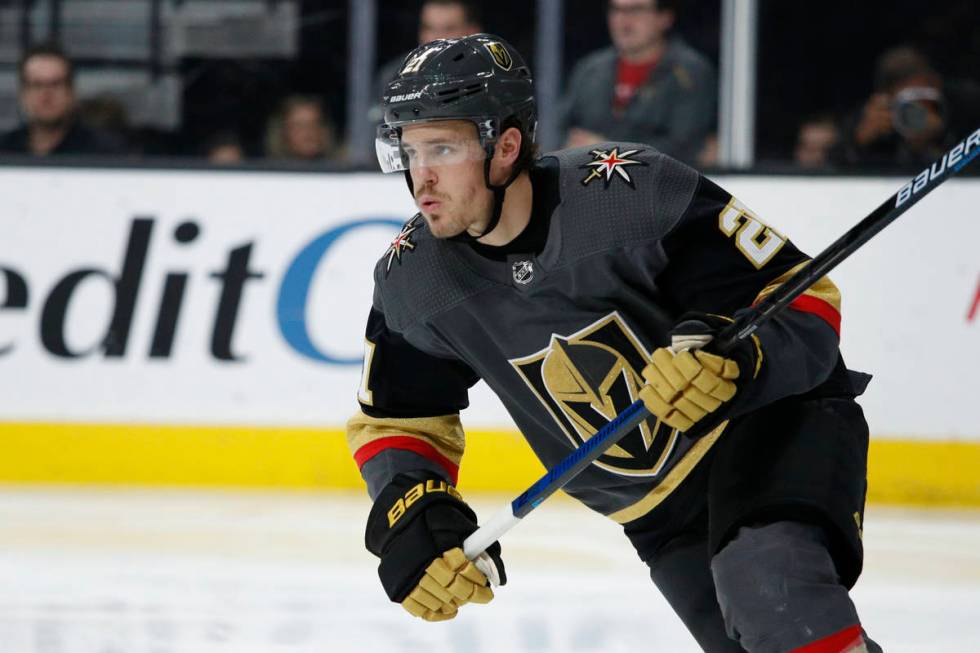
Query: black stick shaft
{"type": "Point", "coordinates": [575, 462]}
{"type": "Point", "coordinates": [907, 197]}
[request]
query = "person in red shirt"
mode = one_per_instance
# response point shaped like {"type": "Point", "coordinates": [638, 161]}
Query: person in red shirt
{"type": "Point", "coordinates": [649, 86]}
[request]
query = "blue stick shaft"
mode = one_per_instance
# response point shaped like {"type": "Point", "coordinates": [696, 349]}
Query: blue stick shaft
{"type": "Point", "coordinates": [575, 462]}
{"type": "Point", "coordinates": [554, 480]}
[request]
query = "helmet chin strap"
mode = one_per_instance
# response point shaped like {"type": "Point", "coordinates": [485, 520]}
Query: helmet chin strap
{"type": "Point", "coordinates": [498, 200]}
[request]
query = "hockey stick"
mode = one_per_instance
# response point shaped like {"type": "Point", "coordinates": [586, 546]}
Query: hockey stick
{"type": "Point", "coordinates": [557, 477]}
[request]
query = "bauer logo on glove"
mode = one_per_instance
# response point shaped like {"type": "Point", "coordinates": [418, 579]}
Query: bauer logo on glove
{"type": "Point", "coordinates": [416, 492]}
{"type": "Point", "coordinates": [417, 527]}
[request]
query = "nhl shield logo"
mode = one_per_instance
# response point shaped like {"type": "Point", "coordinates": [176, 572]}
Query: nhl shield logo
{"type": "Point", "coordinates": [500, 55]}
{"type": "Point", "coordinates": [523, 272]}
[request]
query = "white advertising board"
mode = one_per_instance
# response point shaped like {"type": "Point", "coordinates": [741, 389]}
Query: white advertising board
{"type": "Point", "coordinates": [240, 297]}
{"type": "Point", "coordinates": [237, 345]}
{"type": "Point", "coordinates": [910, 312]}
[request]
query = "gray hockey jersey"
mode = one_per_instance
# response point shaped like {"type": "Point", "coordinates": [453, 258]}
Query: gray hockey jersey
{"type": "Point", "coordinates": [632, 240]}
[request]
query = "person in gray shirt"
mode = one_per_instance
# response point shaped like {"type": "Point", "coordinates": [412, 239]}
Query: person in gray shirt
{"type": "Point", "coordinates": [649, 86]}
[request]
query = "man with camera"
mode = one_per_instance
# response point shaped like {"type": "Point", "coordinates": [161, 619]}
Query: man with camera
{"type": "Point", "coordinates": [912, 116]}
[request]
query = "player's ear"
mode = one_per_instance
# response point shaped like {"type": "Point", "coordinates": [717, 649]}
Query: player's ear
{"type": "Point", "coordinates": [508, 146]}
{"type": "Point", "coordinates": [505, 155]}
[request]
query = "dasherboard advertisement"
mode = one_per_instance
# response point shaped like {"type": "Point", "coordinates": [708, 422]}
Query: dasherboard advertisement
{"type": "Point", "coordinates": [240, 297]}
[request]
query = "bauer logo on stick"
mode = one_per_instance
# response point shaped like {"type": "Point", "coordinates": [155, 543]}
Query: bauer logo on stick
{"type": "Point", "coordinates": [960, 155]}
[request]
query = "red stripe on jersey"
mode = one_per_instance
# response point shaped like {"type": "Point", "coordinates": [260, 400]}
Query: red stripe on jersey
{"type": "Point", "coordinates": [840, 642]}
{"type": "Point", "coordinates": [820, 308]}
{"type": "Point", "coordinates": [372, 449]}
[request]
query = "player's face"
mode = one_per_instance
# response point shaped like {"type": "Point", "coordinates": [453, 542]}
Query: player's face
{"type": "Point", "coordinates": [46, 94]}
{"type": "Point", "coordinates": [446, 164]}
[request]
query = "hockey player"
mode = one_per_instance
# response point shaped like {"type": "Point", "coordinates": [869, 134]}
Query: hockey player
{"type": "Point", "coordinates": [559, 280]}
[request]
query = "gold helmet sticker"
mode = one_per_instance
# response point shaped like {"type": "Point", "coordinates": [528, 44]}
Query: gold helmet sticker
{"type": "Point", "coordinates": [500, 54]}
{"type": "Point", "coordinates": [414, 63]}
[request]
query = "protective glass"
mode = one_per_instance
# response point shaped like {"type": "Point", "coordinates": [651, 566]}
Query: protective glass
{"type": "Point", "coordinates": [433, 149]}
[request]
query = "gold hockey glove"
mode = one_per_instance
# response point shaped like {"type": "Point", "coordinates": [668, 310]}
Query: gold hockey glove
{"type": "Point", "coordinates": [685, 384]}
{"type": "Point", "coordinates": [417, 527]}
{"type": "Point", "coordinates": [449, 582]}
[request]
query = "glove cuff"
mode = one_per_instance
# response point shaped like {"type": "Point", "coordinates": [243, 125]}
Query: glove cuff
{"type": "Point", "coordinates": [402, 501]}
{"type": "Point", "coordinates": [415, 519]}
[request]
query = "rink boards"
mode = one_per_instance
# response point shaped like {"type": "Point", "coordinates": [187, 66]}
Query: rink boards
{"type": "Point", "coordinates": [234, 304]}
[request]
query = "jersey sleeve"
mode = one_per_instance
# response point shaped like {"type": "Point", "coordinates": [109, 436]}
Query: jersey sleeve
{"type": "Point", "coordinates": [723, 259]}
{"type": "Point", "coordinates": [409, 409]}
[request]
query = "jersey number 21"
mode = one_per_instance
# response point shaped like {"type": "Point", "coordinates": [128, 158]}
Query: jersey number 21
{"type": "Point", "coordinates": [754, 239]}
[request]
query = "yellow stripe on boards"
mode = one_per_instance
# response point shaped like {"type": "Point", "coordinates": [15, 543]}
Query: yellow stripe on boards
{"type": "Point", "coordinates": [918, 472]}
{"type": "Point", "coordinates": [923, 472]}
{"type": "Point", "coordinates": [175, 455]}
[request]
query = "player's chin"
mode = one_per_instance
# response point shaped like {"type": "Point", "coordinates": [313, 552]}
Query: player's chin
{"type": "Point", "coordinates": [440, 226]}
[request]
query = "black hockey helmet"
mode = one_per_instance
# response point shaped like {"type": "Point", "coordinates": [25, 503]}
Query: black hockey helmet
{"type": "Point", "coordinates": [480, 78]}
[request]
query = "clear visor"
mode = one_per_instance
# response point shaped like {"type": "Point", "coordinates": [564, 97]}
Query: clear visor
{"type": "Point", "coordinates": [436, 147]}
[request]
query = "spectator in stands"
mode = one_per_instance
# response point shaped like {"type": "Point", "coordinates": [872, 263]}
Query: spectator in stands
{"type": "Point", "coordinates": [107, 115]}
{"type": "Point", "coordinates": [648, 87]}
{"type": "Point", "coordinates": [438, 19]}
{"type": "Point", "coordinates": [300, 130]}
{"type": "Point", "coordinates": [913, 116]}
{"type": "Point", "coordinates": [709, 155]}
{"type": "Point", "coordinates": [46, 92]}
{"type": "Point", "coordinates": [817, 142]}
{"type": "Point", "coordinates": [224, 148]}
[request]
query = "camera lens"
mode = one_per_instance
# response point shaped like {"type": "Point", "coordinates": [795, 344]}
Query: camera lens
{"type": "Point", "coordinates": [911, 116]}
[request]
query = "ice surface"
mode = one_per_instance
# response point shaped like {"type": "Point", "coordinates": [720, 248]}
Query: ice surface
{"type": "Point", "coordinates": [175, 571]}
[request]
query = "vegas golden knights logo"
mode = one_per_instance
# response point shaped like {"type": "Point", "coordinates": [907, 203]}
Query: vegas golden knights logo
{"type": "Point", "coordinates": [500, 55]}
{"type": "Point", "coordinates": [589, 377]}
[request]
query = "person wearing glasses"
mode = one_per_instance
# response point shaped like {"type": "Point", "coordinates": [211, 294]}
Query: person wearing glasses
{"type": "Point", "coordinates": [48, 104]}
